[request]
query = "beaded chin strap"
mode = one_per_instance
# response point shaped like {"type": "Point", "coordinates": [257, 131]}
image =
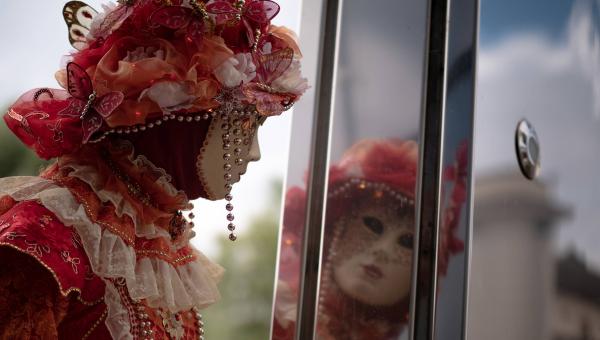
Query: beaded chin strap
{"type": "Point", "coordinates": [233, 125]}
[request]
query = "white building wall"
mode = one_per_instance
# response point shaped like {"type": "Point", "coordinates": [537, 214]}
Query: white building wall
{"type": "Point", "coordinates": [509, 281]}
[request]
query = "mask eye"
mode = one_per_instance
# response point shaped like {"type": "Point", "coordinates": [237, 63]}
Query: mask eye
{"type": "Point", "coordinates": [406, 241]}
{"type": "Point", "coordinates": [373, 224]}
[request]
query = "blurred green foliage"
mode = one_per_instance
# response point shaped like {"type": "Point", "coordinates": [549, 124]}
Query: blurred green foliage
{"type": "Point", "coordinates": [244, 311]}
{"type": "Point", "coordinates": [15, 158]}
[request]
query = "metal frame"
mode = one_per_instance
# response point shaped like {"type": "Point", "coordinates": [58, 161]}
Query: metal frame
{"type": "Point", "coordinates": [447, 120]}
{"type": "Point", "coordinates": [319, 164]}
{"type": "Point", "coordinates": [423, 292]}
{"type": "Point", "coordinates": [447, 123]}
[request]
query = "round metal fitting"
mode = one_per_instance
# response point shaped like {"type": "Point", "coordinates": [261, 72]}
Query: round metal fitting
{"type": "Point", "coordinates": [528, 149]}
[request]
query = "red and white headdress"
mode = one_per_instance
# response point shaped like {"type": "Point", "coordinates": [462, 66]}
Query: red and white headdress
{"type": "Point", "coordinates": [142, 62]}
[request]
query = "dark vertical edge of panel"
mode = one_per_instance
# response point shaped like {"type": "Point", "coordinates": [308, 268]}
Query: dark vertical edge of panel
{"type": "Point", "coordinates": [422, 309]}
{"type": "Point", "coordinates": [471, 180]}
{"type": "Point", "coordinates": [317, 177]}
{"type": "Point", "coordinates": [456, 136]}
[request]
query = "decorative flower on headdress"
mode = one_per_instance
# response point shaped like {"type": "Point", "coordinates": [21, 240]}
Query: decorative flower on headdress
{"type": "Point", "coordinates": [143, 60]}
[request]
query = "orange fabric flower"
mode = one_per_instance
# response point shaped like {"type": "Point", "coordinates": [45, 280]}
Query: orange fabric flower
{"type": "Point", "coordinates": [144, 63]}
{"type": "Point", "coordinates": [287, 35]}
{"type": "Point", "coordinates": [214, 52]}
{"type": "Point", "coordinates": [131, 66]}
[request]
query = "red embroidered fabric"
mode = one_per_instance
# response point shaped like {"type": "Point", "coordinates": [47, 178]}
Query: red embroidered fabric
{"type": "Point", "coordinates": [32, 229]}
{"type": "Point", "coordinates": [35, 119]}
{"type": "Point", "coordinates": [30, 306]}
{"type": "Point", "coordinates": [61, 214]}
{"type": "Point", "coordinates": [47, 289]}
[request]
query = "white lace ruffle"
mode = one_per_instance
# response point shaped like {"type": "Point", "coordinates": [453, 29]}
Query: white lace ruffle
{"type": "Point", "coordinates": [163, 285]}
{"type": "Point", "coordinates": [117, 319]}
{"type": "Point", "coordinates": [89, 175]}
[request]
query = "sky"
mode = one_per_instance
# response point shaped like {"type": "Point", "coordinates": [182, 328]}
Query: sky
{"type": "Point", "coordinates": [34, 36]}
{"type": "Point", "coordinates": [542, 61]}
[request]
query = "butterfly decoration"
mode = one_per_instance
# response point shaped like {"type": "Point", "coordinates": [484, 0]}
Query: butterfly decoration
{"type": "Point", "coordinates": [258, 11]}
{"type": "Point", "coordinates": [114, 19]}
{"type": "Point", "coordinates": [78, 16]}
{"type": "Point", "coordinates": [85, 104]}
{"type": "Point", "coordinates": [271, 66]}
{"type": "Point", "coordinates": [248, 12]}
{"type": "Point", "coordinates": [176, 17]}
{"type": "Point", "coordinates": [265, 43]}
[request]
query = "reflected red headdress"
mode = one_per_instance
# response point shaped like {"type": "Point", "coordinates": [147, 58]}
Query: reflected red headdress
{"type": "Point", "coordinates": [145, 61]}
{"type": "Point", "coordinates": [390, 162]}
{"type": "Point", "coordinates": [370, 167]}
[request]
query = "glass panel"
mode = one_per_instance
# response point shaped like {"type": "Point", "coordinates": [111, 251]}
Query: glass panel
{"type": "Point", "coordinates": [285, 305]}
{"type": "Point", "coordinates": [369, 222]}
{"type": "Point", "coordinates": [535, 269]}
{"type": "Point", "coordinates": [453, 239]}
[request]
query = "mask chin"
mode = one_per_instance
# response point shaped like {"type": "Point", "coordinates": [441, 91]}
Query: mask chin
{"type": "Point", "coordinates": [225, 153]}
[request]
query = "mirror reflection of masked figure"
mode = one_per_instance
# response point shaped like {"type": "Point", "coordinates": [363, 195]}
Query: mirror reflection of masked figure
{"type": "Point", "coordinates": [161, 105]}
{"type": "Point", "coordinates": [368, 245]}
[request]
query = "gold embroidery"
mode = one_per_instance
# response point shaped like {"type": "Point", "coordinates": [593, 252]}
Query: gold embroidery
{"type": "Point", "coordinates": [74, 261]}
{"type": "Point", "coordinates": [162, 253]}
{"type": "Point", "coordinates": [95, 325]}
{"type": "Point", "coordinates": [23, 119]}
{"type": "Point", "coordinates": [62, 290]}
{"type": "Point", "coordinates": [88, 303]}
{"type": "Point", "coordinates": [14, 115]}
{"type": "Point", "coordinates": [37, 249]}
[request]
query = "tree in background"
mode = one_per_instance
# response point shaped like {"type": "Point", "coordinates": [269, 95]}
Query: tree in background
{"type": "Point", "coordinates": [15, 158]}
{"type": "Point", "coordinates": [244, 311]}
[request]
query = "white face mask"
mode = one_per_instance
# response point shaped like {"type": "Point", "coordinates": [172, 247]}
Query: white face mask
{"type": "Point", "coordinates": [373, 258]}
{"type": "Point", "coordinates": [243, 148]}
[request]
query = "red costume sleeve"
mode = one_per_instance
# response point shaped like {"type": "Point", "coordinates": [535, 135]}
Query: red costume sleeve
{"type": "Point", "coordinates": [31, 306]}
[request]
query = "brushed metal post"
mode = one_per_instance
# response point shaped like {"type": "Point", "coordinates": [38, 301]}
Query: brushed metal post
{"type": "Point", "coordinates": [317, 178]}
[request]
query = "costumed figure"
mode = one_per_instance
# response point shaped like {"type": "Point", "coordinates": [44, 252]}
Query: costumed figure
{"type": "Point", "coordinates": [161, 105]}
{"type": "Point", "coordinates": [368, 243]}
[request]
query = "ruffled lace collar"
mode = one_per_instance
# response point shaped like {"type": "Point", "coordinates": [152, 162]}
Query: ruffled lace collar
{"type": "Point", "coordinates": [176, 280]}
{"type": "Point", "coordinates": [133, 185]}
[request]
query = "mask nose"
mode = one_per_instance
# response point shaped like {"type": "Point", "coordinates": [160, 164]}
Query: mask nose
{"type": "Point", "coordinates": [381, 255]}
{"type": "Point", "coordinates": [254, 153]}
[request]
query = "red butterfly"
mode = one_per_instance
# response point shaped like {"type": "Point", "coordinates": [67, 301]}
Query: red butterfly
{"type": "Point", "coordinates": [176, 17]}
{"type": "Point", "coordinates": [258, 11]}
{"type": "Point", "coordinates": [250, 11]}
{"type": "Point", "coordinates": [84, 103]}
{"type": "Point", "coordinates": [114, 19]}
{"type": "Point", "coordinates": [266, 43]}
{"type": "Point", "coordinates": [268, 101]}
